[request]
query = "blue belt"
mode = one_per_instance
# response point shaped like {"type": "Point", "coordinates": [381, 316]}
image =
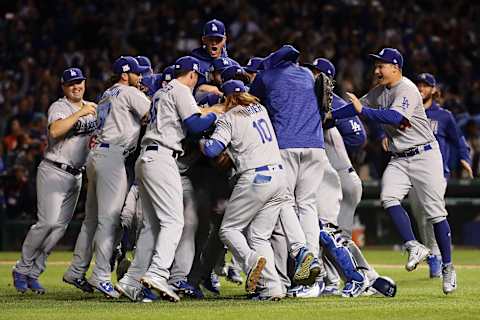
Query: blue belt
{"type": "Point", "coordinates": [413, 151]}
{"type": "Point", "coordinates": [268, 168]}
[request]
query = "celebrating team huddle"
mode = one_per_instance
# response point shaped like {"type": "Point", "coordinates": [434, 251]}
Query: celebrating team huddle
{"type": "Point", "coordinates": [278, 136]}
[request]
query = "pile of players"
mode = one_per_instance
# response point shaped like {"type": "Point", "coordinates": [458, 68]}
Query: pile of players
{"type": "Point", "coordinates": [278, 142]}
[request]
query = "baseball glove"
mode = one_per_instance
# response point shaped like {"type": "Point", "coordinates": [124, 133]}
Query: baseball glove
{"type": "Point", "coordinates": [324, 92]}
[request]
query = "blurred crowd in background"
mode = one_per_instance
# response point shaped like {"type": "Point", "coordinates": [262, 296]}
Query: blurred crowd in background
{"type": "Point", "coordinates": [39, 39]}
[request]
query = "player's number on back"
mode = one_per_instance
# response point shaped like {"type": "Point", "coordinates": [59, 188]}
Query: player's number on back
{"type": "Point", "coordinates": [263, 130]}
{"type": "Point", "coordinates": [103, 110]}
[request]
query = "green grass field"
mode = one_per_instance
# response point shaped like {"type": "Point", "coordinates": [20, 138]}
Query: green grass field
{"type": "Point", "coordinates": [418, 297]}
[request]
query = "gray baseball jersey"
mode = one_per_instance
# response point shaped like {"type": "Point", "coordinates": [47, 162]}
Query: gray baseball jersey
{"type": "Point", "coordinates": [119, 115]}
{"type": "Point", "coordinates": [404, 98]}
{"type": "Point", "coordinates": [170, 106]}
{"type": "Point", "coordinates": [72, 149]}
{"type": "Point", "coordinates": [249, 148]}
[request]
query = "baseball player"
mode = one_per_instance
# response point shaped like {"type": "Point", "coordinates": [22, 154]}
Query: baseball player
{"type": "Point", "coordinates": [288, 93]}
{"type": "Point", "coordinates": [71, 122]}
{"type": "Point", "coordinates": [214, 41]}
{"type": "Point", "coordinates": [449, 137]}
{"type": "Point", "coordinates": [259, 192]}
{"type": "Point", "coordinates": [174, 112]}
{"type": "Point", "coordinates": [416, 161]}
{"type": "Point", "coordinates": [120, 112]}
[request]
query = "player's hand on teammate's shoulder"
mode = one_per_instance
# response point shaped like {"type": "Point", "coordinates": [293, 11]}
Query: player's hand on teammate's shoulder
{"type": "Point", "coordinates": [468, 169]}
{"type": "Point", "coordinates": [87, 109]}
{"type": "Point", "coordinates": [356, 102]}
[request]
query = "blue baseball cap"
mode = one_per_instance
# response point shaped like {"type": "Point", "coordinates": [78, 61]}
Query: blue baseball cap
{"type": "Point", "coordinates": [214, 28]}
{"type": "Point", "coordinates": [253, 64]}
{"type": "Point", "coordinates": [167, 74]}
{"type": "Point", "coordinates": [325, 66]}
{"type": "Point", "coordinates": [230, 72]}
{"type": "Point", "coordinates": [233, 86]}
{"type": "Point", "coordinates": [427, 78]}
{"type": "Point", "coordinates": [187, 63]}
{"type": "Point", "coordinates": [144, 61]}
{"type": "Point", "coordinates": [389, 55]}
{"type": "Point", "coordinates": [128, 64]}
{"type": "Point", "coordinates": [210, 99]}
{"type": "Point", "coordinates": [153, 82]}
{"type": "Point", "coordinates": [221, 64]}
{"type": "Point", "coordinates": [72, 74]}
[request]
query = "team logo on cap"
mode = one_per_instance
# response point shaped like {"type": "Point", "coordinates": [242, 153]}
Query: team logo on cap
{"type": "Point", "coordinates": [177, 66]}
{"type": "Point", "coordinates": [195, 67]}
{"type": "Point", "coordinates": [249, 62]}
{"type": "Point", "coordinates": [125, 68]}
{"type": "Point", "coordinates": [381, 52]}
{"type": "Point", "coordinates": [214, 27]}
{"type": "Point", "coordinates": [395, 60]}
{"type": "Point", "coordinates": [225, 62]}
{"type": "Point", "coordinates": [73, 73]}
{"type": "Point", "coordinates": [237, 89]}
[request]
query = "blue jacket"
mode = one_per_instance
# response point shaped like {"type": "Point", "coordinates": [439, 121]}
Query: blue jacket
{"type": "Point", "coordinates": [449, 137]}
{"type": "Point", "coordinates": [287, 91]}
{"type": "Point", "coordinates": [352, 129]}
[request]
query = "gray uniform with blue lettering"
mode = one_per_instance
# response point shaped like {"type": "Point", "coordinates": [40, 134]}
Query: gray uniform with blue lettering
{"type": "Point", "coordinates": [259, 194]}
{"type": "Point", "coordinates": [422, 172]}
{"type": "Point", "coordinates": [57, 190]}
{"type": "Point", "coordinates": [119, 115]}
{"type": "Point", "coordinates": [160, 185]}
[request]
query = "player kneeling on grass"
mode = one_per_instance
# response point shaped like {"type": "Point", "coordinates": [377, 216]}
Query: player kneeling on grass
{"type": "Point", "coordinates": [259, 194]}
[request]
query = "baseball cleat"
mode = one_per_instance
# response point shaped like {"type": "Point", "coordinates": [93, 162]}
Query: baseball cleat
{"type": "Point", "coordinates": [161, 287]}
{"type": "Point", "coordinates": [183, 288]}
{"type": "Point", "coordinates": [80, 283]}
{"type": "Point", "coordinates": [303, 262]}
{"type": "Point", "coordinates": [435, 266]}
{"type": "Point", "coordinates": [105, 287]}
{"type": "Point", "coordinates": [212, 283]}
{"type": "Point", "coordinates": [35, 286]}
{"type": "Point", "coordinates": [133, 293]}
{"type": "Point", "coordinates": [449, 278]}
{"type": "Point", "coordinates": [312, 291]}
{"type": "Point", "coordinates": [148, 295]}
{"type": "Point", "coordinates": [331, 290]}
{"type": "Point", "coordinates": [19, 281]}
{"type": "Point", "coordinates": [354, 288]}
{"type": "Point", "coordinates": [254, 274]}
{"type": "Point", "coordinates": [417, 253]}
{"type": "Point", "coordinates": [233, 275]}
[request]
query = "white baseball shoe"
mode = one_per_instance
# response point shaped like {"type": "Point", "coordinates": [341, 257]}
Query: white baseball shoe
{"type": "Point", "coordinates": [135, 294]}
{"type": "Point", "coordinates": [162, 287]}
{"type": "Point", "coordinates": [313, 291]}
{"type": "Point", "coordinates": [417, 253]}
{"type": "Point", "coordinates": [449, 278]}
